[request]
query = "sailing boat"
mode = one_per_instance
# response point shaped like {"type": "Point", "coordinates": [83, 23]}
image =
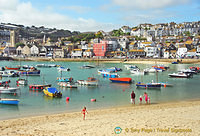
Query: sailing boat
{"type": "Point", "coordinates": [39, 86]}
{"type": "Point", "coordinates": [150, 85]}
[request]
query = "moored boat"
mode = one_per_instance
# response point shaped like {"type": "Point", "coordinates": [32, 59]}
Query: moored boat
{"type": "Point", "coordinates": [88, 66]}
{"type": "Point", "coordinates": [21, 81]}
{"type": "Point", "coordinates": [9, 101]}
{"type": "Point", "coordinates": [121, 80]}
{"type": "Point", "coordinates": [180, 75]}
{"type": "Point", "coordinates": [30, 72]}
{"type": "Point", "coordinates": [7, 89]}
{"type": "Point", "coordinates": [148, 85]}
{"type": "Point", "coordinates": [8, 74]}
{"type": "Point", "coordinates": [11, 68]}
{"type": "Point", "coordinates": [52, 92]}
{"type": "Point", "coordinates": [38, 87]}
{"type": "Point", "coordinates": [91, 81]}
{"type": "Point", "coordinates": [67, 84]}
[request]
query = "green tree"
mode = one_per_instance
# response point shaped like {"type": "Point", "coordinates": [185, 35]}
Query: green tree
{"type": "Point", "coordinates": [19, 44]}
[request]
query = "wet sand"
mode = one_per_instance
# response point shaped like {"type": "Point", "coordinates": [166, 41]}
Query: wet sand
{"type": "Point", "coordinates": [177, 118]}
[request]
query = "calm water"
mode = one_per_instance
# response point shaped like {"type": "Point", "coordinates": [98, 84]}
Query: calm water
{"type": "Point", "coordinates": [107, 94]}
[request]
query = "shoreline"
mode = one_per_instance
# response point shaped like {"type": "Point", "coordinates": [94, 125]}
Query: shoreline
{"type": "Point", "coordinates": [181, 115]}
{"type": "Point", "coordinates": [125, 61]}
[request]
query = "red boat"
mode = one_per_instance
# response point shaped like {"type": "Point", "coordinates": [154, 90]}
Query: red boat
{"type": "Point", "coordinates": [8, 68]}
{"type": "Point", "coordinates": [38, 87]}
{"type": "Point", "coordinates": [121, 80]}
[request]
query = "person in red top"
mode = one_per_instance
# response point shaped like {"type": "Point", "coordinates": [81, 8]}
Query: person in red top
{"type": "Point", "coordinates": [84, 111]}
{"type": "Point", "coordinates": [133, 97]}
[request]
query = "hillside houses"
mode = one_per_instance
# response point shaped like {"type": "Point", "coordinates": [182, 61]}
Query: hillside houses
{"type": "Point", "coordinates": [163, 40]}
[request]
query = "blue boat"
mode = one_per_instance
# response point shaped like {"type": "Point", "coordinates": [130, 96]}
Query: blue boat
{"type": "Point", "coordinates": [29, 72]}
{"type": "Point", "coordinates": [9, 101]}
{"type": "Point", "coordinates": [174, 62]}
{"type": "Point", "coordinates": [61, 79]}
{"type": "Point", "coordinates": [148, 85]}
{"type": "Point", "coordinates": [110, 75]}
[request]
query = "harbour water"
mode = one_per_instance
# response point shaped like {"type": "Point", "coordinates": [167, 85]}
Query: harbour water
{"type": "Point", "coordinates": [107, 94]}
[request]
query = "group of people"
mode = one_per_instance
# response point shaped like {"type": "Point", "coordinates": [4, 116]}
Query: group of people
{"type": "Point", "coordinates": [145, 96]}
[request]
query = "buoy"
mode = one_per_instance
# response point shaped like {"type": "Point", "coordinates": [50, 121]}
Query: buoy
{"type": "Point", "coordinates": [93, 100]}
{"type": "Point", "coordinates": [36, 87]}
{"type": "Point", "coordinates": [33, 87]}
{"type": "Point", "coordinates": [165, 85]}
{"type": "Point", "coordinates": [67, 98]}
{"type": "Point", "coordinates": [123, 90]}
{"type": "Point", "coordinates": [30, 86]}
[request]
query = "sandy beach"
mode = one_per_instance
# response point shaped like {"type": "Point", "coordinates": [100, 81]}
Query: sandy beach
{"type": "Point", "coordinates": [177, 118]}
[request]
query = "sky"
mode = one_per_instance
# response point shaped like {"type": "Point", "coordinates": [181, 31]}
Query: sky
{"type": "Point", "coordinates": [95, 15]}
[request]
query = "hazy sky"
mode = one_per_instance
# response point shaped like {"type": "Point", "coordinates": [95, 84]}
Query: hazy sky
{"type": "Point", "coordinates": [94, 15]}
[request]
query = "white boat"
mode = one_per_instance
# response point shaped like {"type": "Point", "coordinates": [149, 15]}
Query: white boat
{"type": "Point", "coordinates": [63, 69]}
{"type": "Point", "coordinates": [67, 84]}
{"type": "Point", "coordinates": [87, 66]}
{"type": "Point", "coordinates": [91, 81]}
{"type": "Point", "coordinates": [46, 65]}
{"type": "Point", "coordinates": [21, 81]}
{"type": "Point", "coordinates": [128, 67]}
{"type": "Point", "coordinates": [152, 70]}
{"type": "Point", "coordinates": [137, 72]}
{"type": "Point", "coordinates": [180, 75]}
{"type": "Point", "coordinates": [7, 89]}
{"type": "Point", "coordinates": [10, 73]}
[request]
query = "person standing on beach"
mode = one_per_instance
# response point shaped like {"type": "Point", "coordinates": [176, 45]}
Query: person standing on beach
{"type": "Point", "coordinates": [146, 97]}
{"type": "Point", "coordinates": [133, 97]}
{"type": "Point", "coordinates": [84, 111]}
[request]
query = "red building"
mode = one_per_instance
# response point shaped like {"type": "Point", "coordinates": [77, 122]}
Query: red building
{"type": "Point", "coordinates": [100, 49]}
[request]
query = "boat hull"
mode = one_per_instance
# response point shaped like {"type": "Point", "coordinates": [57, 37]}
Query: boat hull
{"type": "Point", "coordinates": [121, 80]}
{"type": "Point", "coordinates": [29, 73]}
{"type": "Point", "coordinates": [9, 101]}
{"type": "Point", "coordinates": [8, 90]}
{"type": "Point", "coordinates": [149, 85]}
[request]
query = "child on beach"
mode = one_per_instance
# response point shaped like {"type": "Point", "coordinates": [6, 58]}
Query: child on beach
{"type": "Point", "coordinates": [140, 99]}
{"type": "Point", "coordinates": [84, 111]}
{"type": "Point", "coordinates": [149, 100]}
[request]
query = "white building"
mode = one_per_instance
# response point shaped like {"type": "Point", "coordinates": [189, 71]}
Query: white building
{"type": "Point", "coordinates": [151, 51]}
{"type": "Point", "coordinates": [181, 52]}
{"type": "Point", "coordinates": [34, 50]}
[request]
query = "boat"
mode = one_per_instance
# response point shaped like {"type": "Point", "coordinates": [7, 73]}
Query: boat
{"type": "Point", "coordinates": [29, 72]}
{"type": "Point", "coordinates": [148, 85]}
{"type": "Point", "coordinates": [128, 67]}
{"type": "Point", "coordinates": [62, 79]}
{"type": "Point", "coordinates": [7, 89]}
{"type": "Point", "coordinates": [115, 69]}
{"type": "Point", "coordinates": [9, 101]}
{"type": "Point", "coordinates": [21, 81]}
{"type": "Point", "coordinates": [138, 72]}
{"type": "Point", "coordinates": [180, 75]}
{"type": "Point", "coordinates": [10, 73]}
{"type": "Point", "coordinates": [63, 69]}
{"type": "Point", "coordinates": [188, 71]}
{"type": "Point", "coordinates": [52, 92]}
{"type": "Point", "coordinates": [46, 65]}
{"type": "Point", "coordinates": [91, 81]}
{"type": "Point", "coordinates": [121, 80]}
{"type": "Point", "coordinates": [152, 70]}
{"type": "Point", "coordinates": [196, 69]}
{"type": "Point", "coordinates": [166, 84]}
{"type": "Point", "coordinates": [87, 66]}
{"type": "Point", "coordinates": [67, 84]}
{"type": "Point", "coordinates": [10, 68]}
{"type": "Point", "coordinates": [110, 75]}
{"type": "Point", "coordinates": [161, 67]}
{"type": "Point", "coordinates": [174, 62]}
{"type": "Point", "coordinates": [38, 87]}
{"type": "Point", "coordinates": [3, 83]}
{"type": "Point", "coordinates": [28, 67]}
